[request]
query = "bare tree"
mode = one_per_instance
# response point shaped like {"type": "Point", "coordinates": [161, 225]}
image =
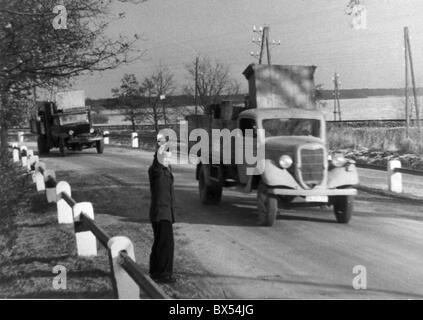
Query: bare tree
{"type": "Point", "coordinates": [34, 51]}
{"type": "Point", "coordinates": [129, 97]}
{"type": "Point", "coordinates": [213, 80]}
{"type": "Point", "coordinates": [160, 84]}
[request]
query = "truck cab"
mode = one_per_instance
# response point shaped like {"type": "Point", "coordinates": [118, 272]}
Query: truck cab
{"type": "Point", "coordinates": [65, 125]}
{"type": "Point", "coordinates": [296, 168]}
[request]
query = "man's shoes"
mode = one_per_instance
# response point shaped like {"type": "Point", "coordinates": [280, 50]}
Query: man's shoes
{"type": "Point", "coordinates": [165, 279]}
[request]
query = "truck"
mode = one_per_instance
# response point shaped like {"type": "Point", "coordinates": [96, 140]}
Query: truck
{"type": "Point", "coordinates": [65, 124]}
{"type": "Point", "coordinates": [298, 169]}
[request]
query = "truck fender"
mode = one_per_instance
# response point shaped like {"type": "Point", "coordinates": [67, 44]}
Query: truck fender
{"type": "Point", "coordinates": [343, 176]}
{"type": "Point", "coordinates": [275, 176]}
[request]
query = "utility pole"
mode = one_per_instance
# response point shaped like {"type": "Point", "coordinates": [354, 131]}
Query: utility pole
{"type": "Point", "coordinates": [407, 116]}
{"type": "Point", "coordinates": [264, 44]}
{"type": "Point", "coordinates": [196, 86]}
{"type": "Point", "coordinates": [413, 80]}
{"type": "Point", "coordinates": [336, 102]}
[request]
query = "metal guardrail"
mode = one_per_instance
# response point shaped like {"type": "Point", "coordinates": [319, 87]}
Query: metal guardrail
{"type": "Point", "coordinates": [146, 285]}
{"type": "Point", "coordinates": [144, 282]}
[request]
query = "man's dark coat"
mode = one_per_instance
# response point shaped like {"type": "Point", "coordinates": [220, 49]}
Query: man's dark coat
{"type": "Point", "coordinates": [162, 193]}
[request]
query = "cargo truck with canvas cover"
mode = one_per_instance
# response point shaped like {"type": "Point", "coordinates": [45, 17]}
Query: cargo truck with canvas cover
{"type": "Point", "coordinates": [65, 124]}
{"type": "Point", "coordinates": [295, 167]}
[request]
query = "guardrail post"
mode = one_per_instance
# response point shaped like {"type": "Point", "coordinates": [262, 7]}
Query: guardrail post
{"type": "Point", "coordinates": [20, 137]}
{"type": "Point", "coordinates": [64, 211]}
{"type": "Point", "coordinates": [135, 143]}
{"type": "Point", "coordinates": [50, 183]}
{"type": "Point", "coordinates": [30, 155]}
{"type": "Point", "coordinates": [86, 242]}
{"type": "Point", "coordinates": [31, 164]}
{"type": "Point", "coordinates": [15, 152]}
{"type": "Point", "coordinates": [126, 287]}
{"type": "Point", "coordinates": [40, 167]}
{"type": "Point", "coordinates": [106, 137]}
{"type": "Point", "coordinates": [394, 178]}
{"type": "Point", "coordinates": [39, 181]}
{"type": "Point", "coordinates": [24, 153]}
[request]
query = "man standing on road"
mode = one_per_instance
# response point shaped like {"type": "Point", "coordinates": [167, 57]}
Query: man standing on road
{"type": "Point", "coordinates": [162, 215]}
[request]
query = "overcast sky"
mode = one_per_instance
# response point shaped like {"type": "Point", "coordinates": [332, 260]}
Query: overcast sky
{"type": "Point", "coordinates": [312, 32]}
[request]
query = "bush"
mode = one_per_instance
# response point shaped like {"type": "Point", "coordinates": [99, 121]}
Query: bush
{"type": "Point", "coordinates": [12, 185]}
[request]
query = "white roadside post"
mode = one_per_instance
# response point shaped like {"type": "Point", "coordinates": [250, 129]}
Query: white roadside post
{"type": "Point", "coordinates": [24, 153]}
{"type": "Point", "coordinates": [20, 137]}
{"type": "Point", "coordinates": [50, 183]}
{"type": "Point", "coordinates": [135, 143]}
{"type": "Point", "coordinates": [394, 178]}
{"type": "Point", "coordinates": [86, 242]}
{"type": "Point", "coordinates": [38, 177]}
{"type": "Point", "coordinates": [30, 155]}
{"type": "Point", "coordinates": [40, 167]}
{"type": "Point", "coordinates": [31, 164]}
{"type": "Point", "coordinates": [106, 137]}
{"type": "Point", "coordinates": [125, 285]}
{"type": "Point", "coordinates": [15, 152]}
{"type": "Point", "coordinates": [64, 211]}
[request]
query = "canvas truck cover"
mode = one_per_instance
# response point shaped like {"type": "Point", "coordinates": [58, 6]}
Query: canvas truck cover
{"type": "Point", "coordinates": [70, 100]}
{"type": "Point", "coordinates": [280, 86]}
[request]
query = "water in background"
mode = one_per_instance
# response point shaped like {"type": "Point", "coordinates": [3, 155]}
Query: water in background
{"type": "Point", "coordinates": [373, 108]}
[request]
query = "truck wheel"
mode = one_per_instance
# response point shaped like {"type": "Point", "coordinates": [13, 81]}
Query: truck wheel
{"type": "Point", "coordinates": [209, 194]}
{"type": "Point", "coordinates": [62, 148]}
{"type": "Point", "coordinates": [42, 145]}
{"type": "Point", "coordinates": [99, 146]}
{"type": "Point", "coordinates": [343, 208]}
{"type": "Point", "coordinates": [267, 206]}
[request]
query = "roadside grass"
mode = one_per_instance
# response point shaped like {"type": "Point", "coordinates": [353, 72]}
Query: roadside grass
{"type": "Point", "coordinates": [32, 244]}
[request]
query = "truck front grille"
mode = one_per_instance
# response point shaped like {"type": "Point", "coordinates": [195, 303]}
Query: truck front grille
{"type": "Point", "coordinates": [312, 166]}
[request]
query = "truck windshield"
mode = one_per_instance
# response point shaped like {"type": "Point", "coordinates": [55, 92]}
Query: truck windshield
{"type": "Point", "coordinates": [291, 127]}
{"type": "Point", "coordinates": [73, 118]}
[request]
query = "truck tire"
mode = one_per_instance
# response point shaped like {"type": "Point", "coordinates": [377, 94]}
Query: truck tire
{"type": "Point", "coordinates": [343, 208]}
{"type": "Point", "coordinates": [42, 145]}
{"type": "Point", "coordinates": [267, 206]}
{"type": "Point", "coordinates": [100, 146]}
{"type": "Point", "coordinates": [209, 194]}
{"type": "Point", "coordinates": [62, 148]}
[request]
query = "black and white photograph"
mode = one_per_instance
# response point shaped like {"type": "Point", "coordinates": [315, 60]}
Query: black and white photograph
{"type": "Point", "coordinates": [213, 154]}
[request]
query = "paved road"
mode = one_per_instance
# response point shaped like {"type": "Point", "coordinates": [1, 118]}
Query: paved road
{"type": "Point", "coordinates": [412, 185]}
{"type": "Point", "coordinates": [306, 254]}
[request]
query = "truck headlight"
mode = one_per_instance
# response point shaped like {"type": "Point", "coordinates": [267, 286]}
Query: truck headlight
{"type": "Point", "coordinates": [92, 130]}
{"type": "Point", "coordinates": [338, 160]}
{"type": "Point", "coordinates": [285, 161]}
{"type": "Point", "coordinates": [70, 132]}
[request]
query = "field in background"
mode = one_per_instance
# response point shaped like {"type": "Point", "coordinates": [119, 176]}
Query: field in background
{"type": "Point", "coordinates": [373, 108]}
{"type": "Point", "coordinates": [374, 138]}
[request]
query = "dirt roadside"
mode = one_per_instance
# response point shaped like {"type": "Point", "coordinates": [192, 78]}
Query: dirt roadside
{"type": "Point", "coordinates": [32, 244]}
